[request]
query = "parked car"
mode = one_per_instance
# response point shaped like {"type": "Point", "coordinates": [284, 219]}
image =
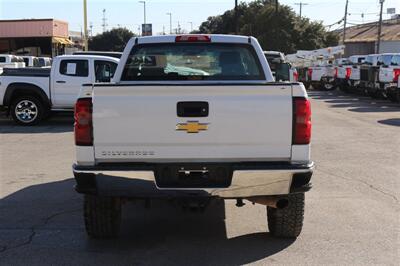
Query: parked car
{"type": "Point", "coordinates": [389, 70]}
{"type": "Point", "coordinates": [30, 94]}
{"type": "Point", "coordinates": [205, 122]}
{"type": "Point", "coordinates": [31, 61]}
{"type": "Point", "coordinates": [369, 74]}
{"type": "Point", "coordinates": [11, 61]}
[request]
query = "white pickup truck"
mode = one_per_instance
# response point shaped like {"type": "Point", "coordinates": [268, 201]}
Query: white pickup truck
{"type": "Point", "coordinates": [322, 75]}
{"type": "Point", "coordinates": [11, 61]}
{"type": "Point", "coordinates": [355, 61]}
{"type": "Point", "coordinates": [389, 72]}
{"type": "Point", "coordinates": [193, 118]}
{"type": "Point", "coordinates": [29, 94]}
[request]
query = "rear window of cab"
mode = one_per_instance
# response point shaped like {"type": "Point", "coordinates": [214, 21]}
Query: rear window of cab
{"type": "Point", "coordinates": [192, 61]}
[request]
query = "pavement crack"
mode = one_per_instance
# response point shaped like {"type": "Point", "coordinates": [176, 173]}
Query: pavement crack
{"type": "Point", "coordinates": [362, 181]}
{"type": "Point", "coordinates": [27, 242]}
{"type": "Point", "coordinates": [33, 230]}
{"type": "Point", "coordinates": [48, 218]}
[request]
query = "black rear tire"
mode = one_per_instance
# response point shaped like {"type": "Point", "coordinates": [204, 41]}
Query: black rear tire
{"type": "Point", "coordinates": [102, 216]}
{"type": "Point", "coordinates": [287, 222]}
{"type": "Point", "coordinates": [28, 110]}
{"type": "Point", "coordinates": [394, 96]}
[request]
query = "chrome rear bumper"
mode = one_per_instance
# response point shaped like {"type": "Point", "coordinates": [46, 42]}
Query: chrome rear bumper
{"type": "Point", "coordinates": [247, 181]}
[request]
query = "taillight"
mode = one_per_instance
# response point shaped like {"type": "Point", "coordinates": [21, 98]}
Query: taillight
{"type": "Point", "coordinates": [295, 76]}
{"type": "Point", "coordinates": [396, 74]}
{"type": "Point", "coordinates": [348, 72]}
{"type": "Point", "coordinates": [193, 38]}
{"type": "Point", "coordinates": [83, 122]}
{"type": "Point", "coordinates": [301, 121]}
{"type": "Point", "coordinates": [336, 72]}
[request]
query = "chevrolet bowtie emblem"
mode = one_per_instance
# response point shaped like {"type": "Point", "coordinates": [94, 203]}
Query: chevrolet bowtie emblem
{"type": "Point", "coordinates": [192, 126]}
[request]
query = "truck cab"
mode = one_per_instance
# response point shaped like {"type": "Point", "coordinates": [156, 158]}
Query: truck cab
{"type": "Point", "coordinates": [30, 94]}
{"type": "Point", "coordinates": [31, 61]}
{"type": "Point", "coordinates": [11, 61]}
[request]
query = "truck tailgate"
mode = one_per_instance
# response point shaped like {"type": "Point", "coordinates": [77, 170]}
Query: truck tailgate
{"type": "Point", "coordinates": [141, 124]}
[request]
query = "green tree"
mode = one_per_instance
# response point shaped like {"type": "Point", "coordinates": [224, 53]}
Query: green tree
{"type": "Point", "coordinates": [276, 29]}
{"type": "Point", "coordinates": [113, 40]}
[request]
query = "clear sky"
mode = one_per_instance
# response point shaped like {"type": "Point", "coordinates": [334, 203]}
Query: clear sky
{"type": "Point", "coordinates": [129, 13]}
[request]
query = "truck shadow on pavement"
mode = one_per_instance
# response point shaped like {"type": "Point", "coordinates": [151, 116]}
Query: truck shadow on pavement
{"type": "Point", "coordinates": [354, 102]}
{"type": "Point", "coordinates": [56, 123]}
{"type": "Point", "coordinates": [43, 223]}
{"type": "Point", "coordinates": [391, 122]}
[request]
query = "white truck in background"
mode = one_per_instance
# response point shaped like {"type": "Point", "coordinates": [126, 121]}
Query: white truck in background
{"type": "Point", "coordinates": [281, 70]}
{"type": "Point", "coordinates": [322, 75]}
{"type": "Point", "coordinates": [192, 118]}
{"type": "Point", "coordinates": [389, 72]}
{"type": "Point", "coordinates": [11, 61]}
{"type": "Point", "coordinates": [30, 94]}
{"type": "Point", "coordinates": [353, 71]}
{"type": "Point", "coordinates": [31, 61]}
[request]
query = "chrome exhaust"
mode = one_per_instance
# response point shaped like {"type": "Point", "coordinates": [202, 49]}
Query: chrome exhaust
{"type": "Point", "coordinates": [277, 202]}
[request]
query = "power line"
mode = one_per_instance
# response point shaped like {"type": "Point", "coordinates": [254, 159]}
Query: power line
{"type": "Point", "coordinates": [301, 4]}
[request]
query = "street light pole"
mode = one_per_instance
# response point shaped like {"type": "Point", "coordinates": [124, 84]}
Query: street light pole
{"type": "Point", "coordinates": [144, 11]}
{"type": "Point", "coordinates": [170, 22]}
{"type": "Point", "coordinates": [85, 25]}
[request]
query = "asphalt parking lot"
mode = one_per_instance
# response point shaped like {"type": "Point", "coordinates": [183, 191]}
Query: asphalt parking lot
{"type": "Point", "coordinates": [352, 212]}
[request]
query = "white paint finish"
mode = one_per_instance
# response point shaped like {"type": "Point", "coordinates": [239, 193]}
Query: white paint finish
{"type": "Point", "coordinates": [342, 72]}
{"type": "Point", "coordinates": [62, 95]}
{"type": "Point", "coordinates": [299, 90]}
{"type": "Point", "coordinates": [40, 82]}
{"type": "Point", "coordinates": [355, 73]}
{"type": "Point", "coordinates": [244, 122]}
{"type": "Point", "coordinates": [322, 71]}
{"type": "Point", "coordinates": [301, 153]}
{"type": "Point", "coordinates": [85, 155]}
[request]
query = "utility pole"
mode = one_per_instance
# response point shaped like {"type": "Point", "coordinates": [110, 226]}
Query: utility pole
{"type": "Point", "coordinates": [378, 45]}
{"type": "Point", "coordinates": [170, 22]}
{"type": "Point", "coordinates": [301, 4]}
{"type": "Point", "coordinates": [191, 26]}
{"type": "Point", "coordinates": [104, 21]}
{"type": "Point", "coordinates": [144, 11]}
{"type": "Point", "coordinates": [85, 25]}
{"type": "Point", "coordinates": [236, 18]}
{"type": "Point", "coordinates": [345, 21]}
